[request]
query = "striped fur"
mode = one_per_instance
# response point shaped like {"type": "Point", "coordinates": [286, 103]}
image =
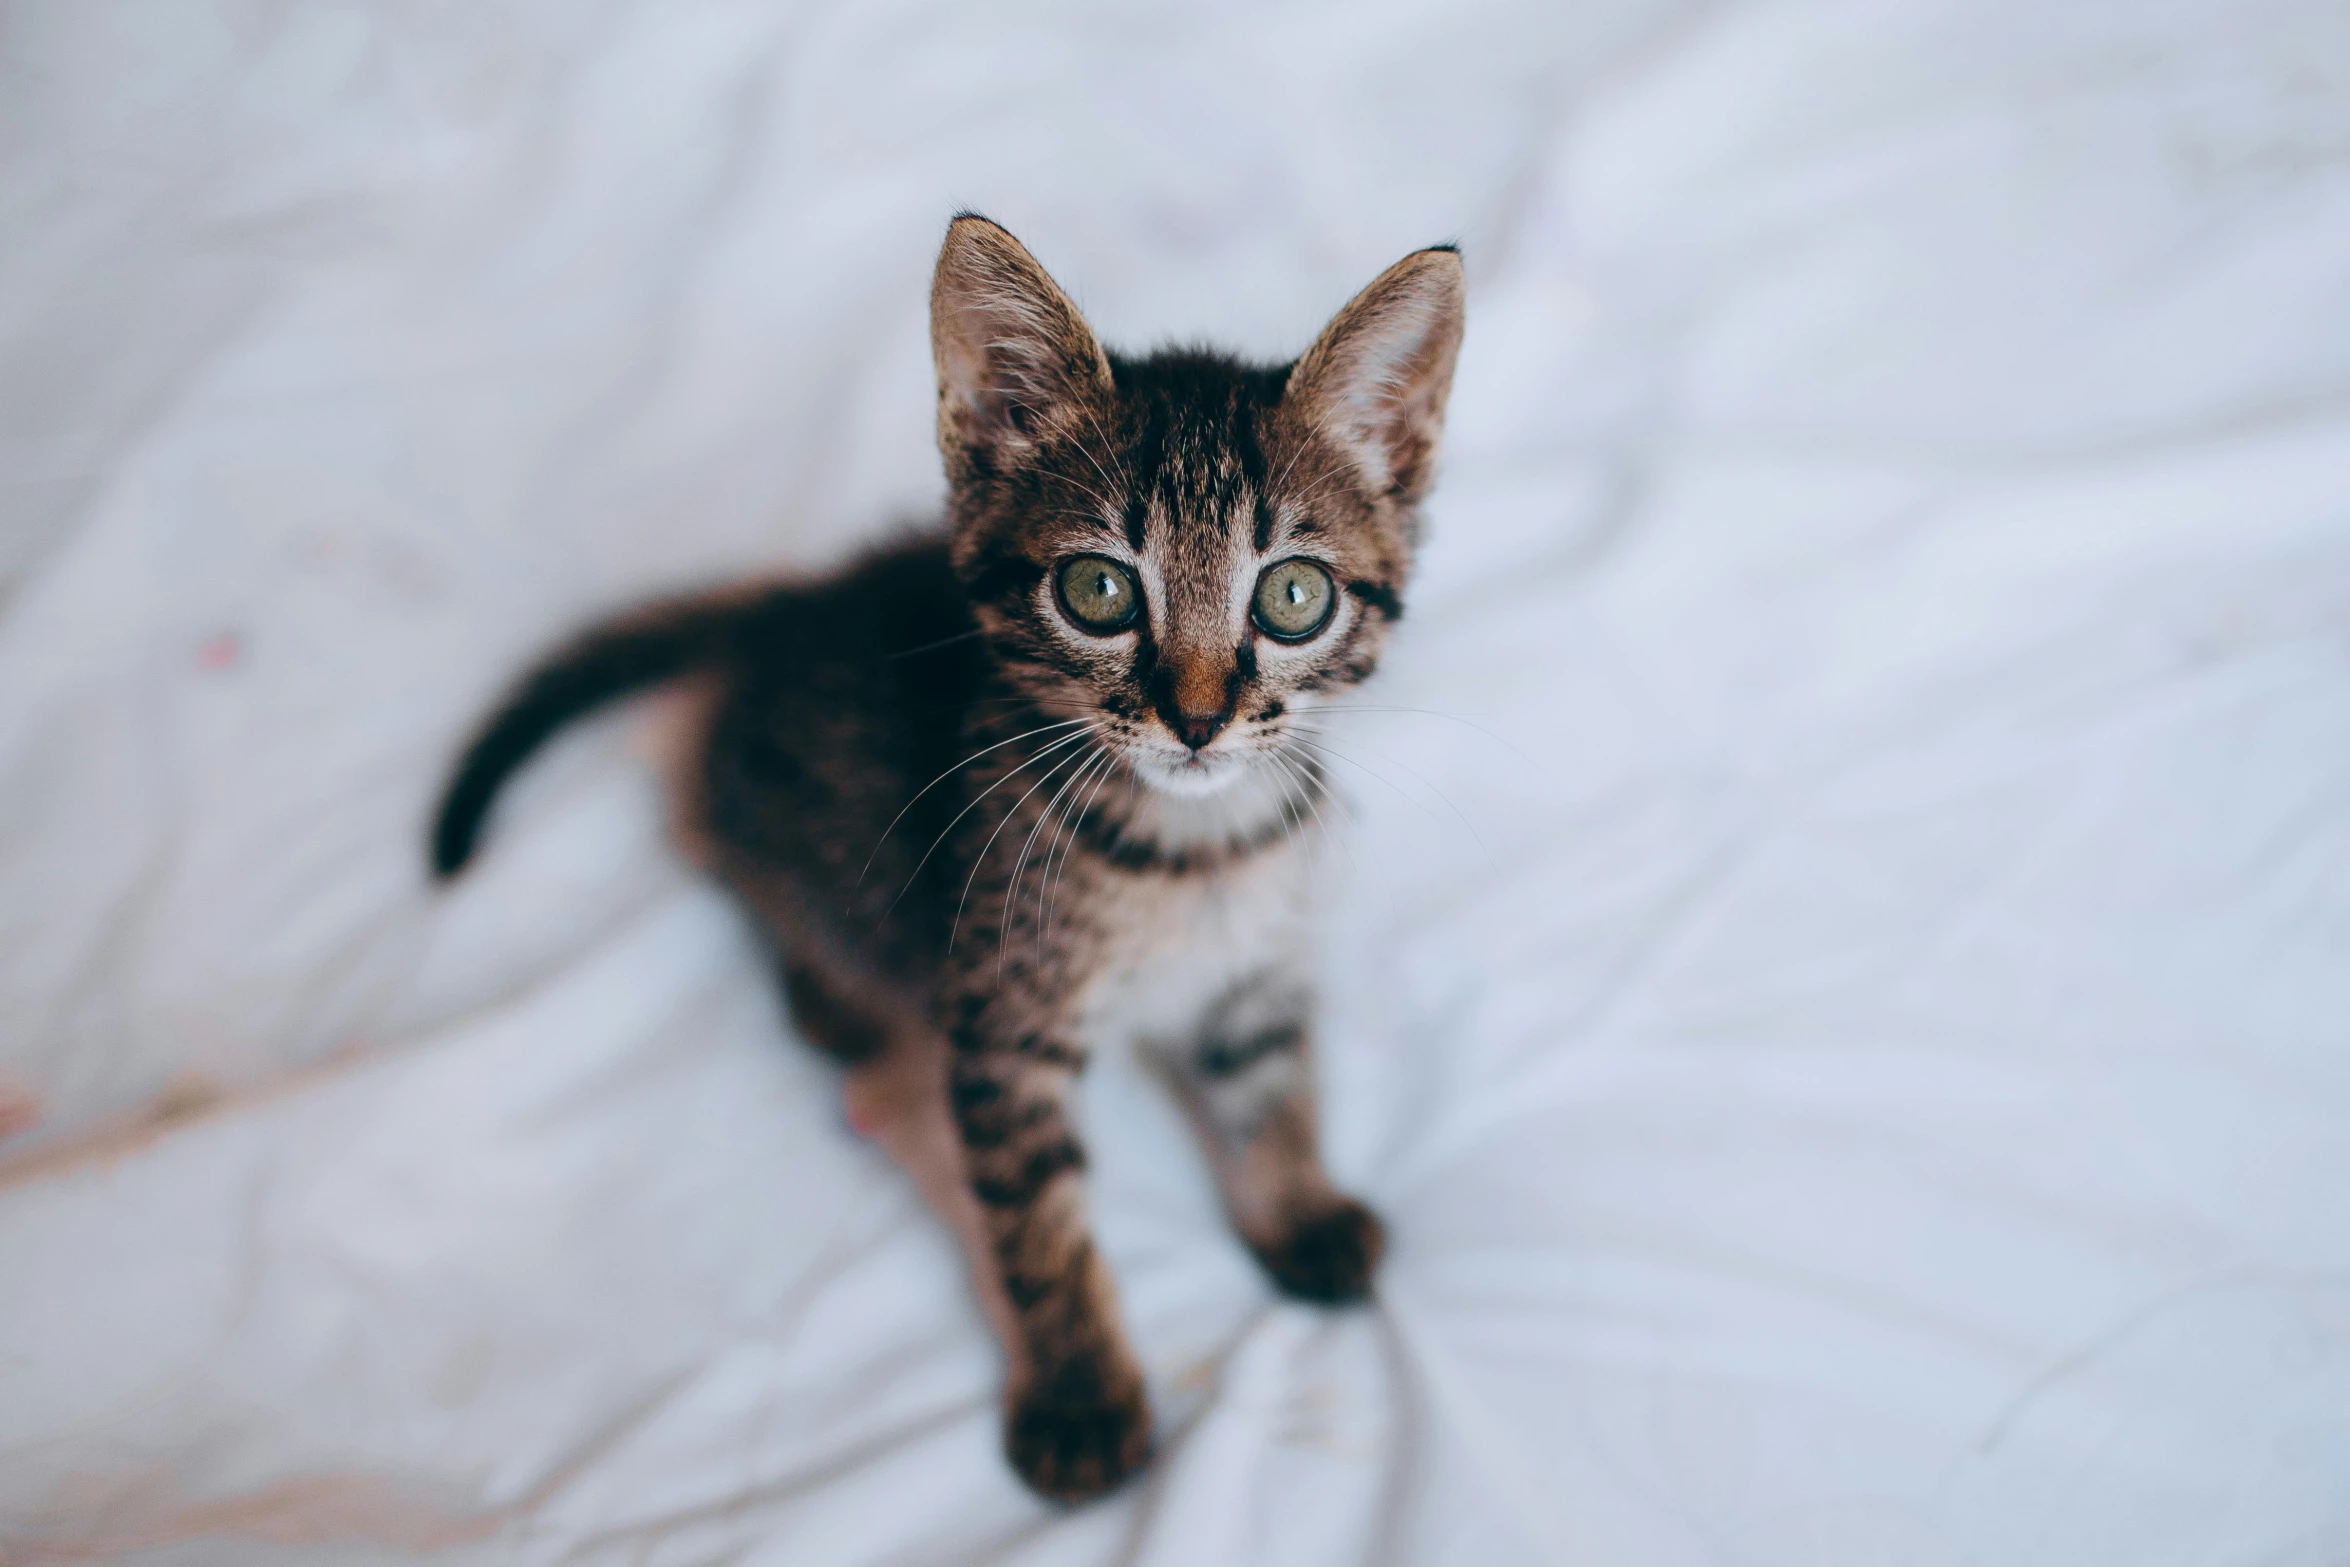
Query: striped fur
{"type": "Point", "coordinates": [984, 840]}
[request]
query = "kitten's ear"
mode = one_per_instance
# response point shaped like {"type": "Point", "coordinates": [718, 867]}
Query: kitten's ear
{"type": "Point", "coordinates": [1013, 354]}
{"type": "Point", "coordinates": [1376, 379]}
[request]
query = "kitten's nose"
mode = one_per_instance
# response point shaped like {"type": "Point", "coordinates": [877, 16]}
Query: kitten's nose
{"type": "Point", "coordinates": [1195, 729]}
{"type": "Point", "coordinates": [1194, 695]}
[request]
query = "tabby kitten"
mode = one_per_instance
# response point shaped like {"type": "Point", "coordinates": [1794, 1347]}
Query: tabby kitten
{"type": "Point", "coordinates": [1043, 781]}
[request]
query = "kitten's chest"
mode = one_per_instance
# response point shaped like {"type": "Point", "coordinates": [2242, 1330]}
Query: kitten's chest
{"type": "Point", "coordinates": [1173, 948]}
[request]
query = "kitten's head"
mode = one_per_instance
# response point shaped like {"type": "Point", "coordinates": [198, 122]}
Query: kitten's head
{"type": "Point", "coordinates": [1187, 550]}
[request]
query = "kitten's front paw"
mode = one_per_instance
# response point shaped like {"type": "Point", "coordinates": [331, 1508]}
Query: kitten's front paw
{"type": "Point", "coordinates": [1077, 1433]}
{"type": "Point", "coordinates": [1328, 1255]}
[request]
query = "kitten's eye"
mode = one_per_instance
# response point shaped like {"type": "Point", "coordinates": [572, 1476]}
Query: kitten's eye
{"type": "Point", "coordinates": [1098, 594]}
{"type": "Point", "coordinates": [1294, 600]}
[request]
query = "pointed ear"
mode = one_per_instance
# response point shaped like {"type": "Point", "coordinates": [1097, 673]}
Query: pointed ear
{"type": "Point", "coordinates": [1376, 379]}
{"type": "Point", "coordinates": [1014, 357]}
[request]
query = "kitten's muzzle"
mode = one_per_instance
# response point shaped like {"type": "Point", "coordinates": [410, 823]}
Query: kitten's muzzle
{"type": "Point", "coordinates": [1194, 691]}
{"type": "Point", "coordinates": [1196, 730]}
{"type": "Point", "coordinates": [1195, 698]}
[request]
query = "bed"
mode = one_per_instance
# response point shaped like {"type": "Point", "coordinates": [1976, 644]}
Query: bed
{"type": "Point", "coordinates": [1838, 973]}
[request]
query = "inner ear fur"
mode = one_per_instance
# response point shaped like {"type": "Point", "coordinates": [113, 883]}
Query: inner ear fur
{"type": "Point", "coordinates": [1375, 381]}
{"type": "Point", "coordinates": [1014, 356]}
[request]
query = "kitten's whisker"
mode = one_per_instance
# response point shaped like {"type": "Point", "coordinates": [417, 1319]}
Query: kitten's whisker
{"type": "Point", "coordinates": [1293, 788]}
{"type": "Point", "coordinates": [1064, 837]}
{"type": "Point", "coordinates": [1337, 475]}
{"type": "Point", "coordinates": [1088, 491]}
{"type": "Point", "coordinates": [1302, 801]}
{"type": "Point", "coordinates": [1043, 704]}
{"type": "Point", "coordinates": [1334, 754]}
{"type": "Point", "coordinates": [1107, 504]}
{"type": "Point", "coordinates": [1338, 470]}
{"type": "Point", "coordinates": [1311, 797]}
{"type": "Point", "coordinates": [1288, 802]}
{"type": "Point", "coordinates": [1069, 844]}
{"type": "Point", "coordinates": [1424, 712]}
{"type": "Point", "coordinates": [942, 778]}
{"type": "Point", "coordinates": [1490, 863]}
{"type": "Point", "coordinates": [1326, 790]}
{"type": "Point", "coordinates": [1320, 427]}
{"type": "Point", "coordinates": [1424, 782]}
{"type": "Point", "coordinates": [927, 647]}
{"type": "Point", "coordinates": [980, 859]}
{"type": "Point", "coordinates": [1020, 865]}
{"type": "Point", "coordinates": [1237, 828]}
{"type": "Point", "coordinates": [1048, 749]}
{"type": "Point", "coordinates": [1108, 445]}
{"type": "Point", "coordinates": [1044, 873]}
{"type": "Point", "coordinates": [1317, 778]}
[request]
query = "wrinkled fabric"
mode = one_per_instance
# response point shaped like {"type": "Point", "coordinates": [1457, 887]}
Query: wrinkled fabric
{"type": "Point", "coordinates": [1837, 965]}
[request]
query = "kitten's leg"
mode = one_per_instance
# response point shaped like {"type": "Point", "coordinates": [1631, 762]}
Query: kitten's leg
{"type": "Point", "coordinates": [895, 1094]}
{"type": "Point", "coordinates": [978, 1115]}
{"type": "Point", "coordinates": [1249, 1083]}
{"type": "Point", "coordinates": [1077, 1419]}
{"type": "Point", "coordinates": [827, 1010]}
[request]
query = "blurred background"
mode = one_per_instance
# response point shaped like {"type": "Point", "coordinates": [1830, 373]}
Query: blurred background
{"type": "Point", "coordinates": [1841, 982]}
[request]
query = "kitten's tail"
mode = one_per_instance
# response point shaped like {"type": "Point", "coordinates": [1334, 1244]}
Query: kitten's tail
{"type": "Point", "coordinates": [603, 664]}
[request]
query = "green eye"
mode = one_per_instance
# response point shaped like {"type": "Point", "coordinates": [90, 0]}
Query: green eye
{"type": "Point", "coordinates": [1294, 600]}
{"type": "Point", "coordinates": [1098, 594]}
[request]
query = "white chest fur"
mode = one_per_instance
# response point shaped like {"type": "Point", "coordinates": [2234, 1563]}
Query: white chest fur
{"type": "Point", "coordinates": [1185, 942]}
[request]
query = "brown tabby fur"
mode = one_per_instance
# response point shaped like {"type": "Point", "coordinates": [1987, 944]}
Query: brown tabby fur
{"type": "Point", "coordinates": [983, 839]}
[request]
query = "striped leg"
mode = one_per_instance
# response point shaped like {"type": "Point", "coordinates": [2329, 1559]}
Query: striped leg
{"type": "Point", "coordinates": [895, 1094]}
{"type": "Point", "coordinates": [1077, 1420]}
{"type": "Point", "coordinates": [1248, 1080]}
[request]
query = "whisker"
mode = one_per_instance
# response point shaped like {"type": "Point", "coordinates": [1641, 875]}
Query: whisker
{"type": "Point", "coordinates": [1064, 839]}
{"type": "Point", "coordinates": [1466, 824]}
{"type": "Point", "coordinates": [1043, 704]}
{"type": "Point", "coordinates": [1041, 754]}
{"type": "Point", "coordinates": [1318, 781]}
{"type": "Point", "coordinates": [1020, 865]}
{"type": "Point", "coordinates": [1320, 427]}
{"type": "Point", "coordinates": [980, 859]}
{"type": "Point", "coordinates": [926, 647]}
{"type": "Point", "coordinates": [1337, 474]}
{"type": "Point", "coordinates": [1092, 494]}
{"type": "Point", "coordinates": [1307, 796]}
{"type": "Point", "coordinates": [1288, 802]}
{"type": "Point", "coordinates": [1296, 791]}
{"type": "Point", "coordinates": [1336, 755]}
{"type": "Point", "coordinates": [1060, 820]}
{"type": "Point", "coordinates": [1107, 504]}
{"type": "Point", "coordinates": [942, 778]}
{"type": "Point", "coordinates": [1425, 712]}
{"type": "Point", "coordinates": [1108, 445]}
{"type": "Point", "coordinates": [1069, 844]}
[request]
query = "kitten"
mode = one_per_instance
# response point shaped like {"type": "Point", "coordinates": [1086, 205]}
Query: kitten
{"type": "Point", "coordinates": [1048, 779]}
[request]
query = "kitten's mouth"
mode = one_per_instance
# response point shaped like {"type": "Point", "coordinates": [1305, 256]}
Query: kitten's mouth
{"type": "Point", "coordinates": [1195, 773]}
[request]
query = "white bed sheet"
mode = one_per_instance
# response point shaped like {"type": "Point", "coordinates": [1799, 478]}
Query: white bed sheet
{"type": "Point", "coordinates": [1846, 1015]}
